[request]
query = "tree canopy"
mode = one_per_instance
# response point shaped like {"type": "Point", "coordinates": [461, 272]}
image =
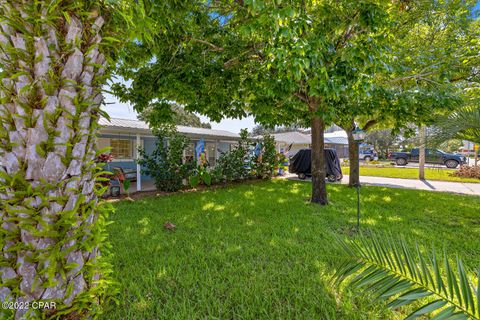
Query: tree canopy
{"type": "Point", "coordinates": [283, 63]}
{"type": "Point", "coordinates": [179, 116]}
{"type": "Point", "coordinates": [312, 63]}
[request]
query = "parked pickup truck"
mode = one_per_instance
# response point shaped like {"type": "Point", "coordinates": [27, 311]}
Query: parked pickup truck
{"type": "Point", "coordinates": [450, 160]}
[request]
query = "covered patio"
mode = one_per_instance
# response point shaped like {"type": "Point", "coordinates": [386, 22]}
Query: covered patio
{"type": "Point", "coordinates": [124, 137]}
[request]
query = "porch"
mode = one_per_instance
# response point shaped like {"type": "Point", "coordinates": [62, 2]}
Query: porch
{"type": "Point", "coordinates": [123, 138]}
{"type": "Point", "coordinates": [144, 186]}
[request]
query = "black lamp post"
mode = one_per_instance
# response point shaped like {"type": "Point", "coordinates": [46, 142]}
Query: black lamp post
{"type": "Point", "coordinates": [358, 136]}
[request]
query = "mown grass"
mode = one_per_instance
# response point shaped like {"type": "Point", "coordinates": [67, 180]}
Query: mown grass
{"type": "Point", "coordinates": [411, 173]}
{"type": "Point", "coordinates": [261, 251]}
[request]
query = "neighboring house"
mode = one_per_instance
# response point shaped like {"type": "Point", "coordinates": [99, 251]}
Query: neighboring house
{"type": "Point", "coordinates": [336, 140]}
{"type": "Point", "coordinates": [296, 139]}
{"type": "Point", "coordinates": [124, 137]}
{"type": "Point", "coordinates": [467, 148]}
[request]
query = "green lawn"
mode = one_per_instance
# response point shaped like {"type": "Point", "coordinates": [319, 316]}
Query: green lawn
{"type": "Point", "coordinates": [410, 173]}
{"type": "Point", "coordinates": [261, 251]}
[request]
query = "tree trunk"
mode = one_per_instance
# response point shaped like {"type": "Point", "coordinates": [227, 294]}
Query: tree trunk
{"type": "Point", "coordinates": [421, 154]}
{"type": "Point", "coordinates": [475, 150]}
{"type": "Point", "coordinates": [354, 175]}
{"type": "Point", "coordinates": [50, 95]}
{"type": "Point", "coordinates": [319, 188]}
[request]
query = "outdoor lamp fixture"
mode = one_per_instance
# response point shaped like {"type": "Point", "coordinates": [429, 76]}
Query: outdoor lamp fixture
{"type": "Point", "coordinates": [358, 136]}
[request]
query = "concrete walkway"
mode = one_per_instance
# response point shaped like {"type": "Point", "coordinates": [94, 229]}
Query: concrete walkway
{"type": "Point", "coordinates": [429, 185]}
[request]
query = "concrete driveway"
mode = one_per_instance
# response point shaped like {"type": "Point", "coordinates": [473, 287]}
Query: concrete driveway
{"type": "Point", "coordinates": [429, 185]}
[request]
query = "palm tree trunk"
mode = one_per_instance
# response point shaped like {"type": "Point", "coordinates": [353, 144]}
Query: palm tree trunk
{"type": "Point", "coordinates": [475, 150]}
{"type": "Point", "coordinates": [52, 72]}
{"type": "Point", "coordinates": [421, 154]}
{"type": "Point", "coordinates": [353, 156]}
{"type": "Point", "coordinates": [319, 188]}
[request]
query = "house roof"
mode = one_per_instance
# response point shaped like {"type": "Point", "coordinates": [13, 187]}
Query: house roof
{"type": "Point", "coordinates": [336, 140]}
{"type": "Point", "coordinates": [137, 126]}
{"type": "Point", "coordinates": [336, 137]}
{"type": "Point", "coordinates": [335, 134]}
{"type": "Point", "coordinates": [295, 137]}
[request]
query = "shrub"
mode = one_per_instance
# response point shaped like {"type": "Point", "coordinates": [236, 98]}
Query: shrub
{"type": "Point", "coordinates": [194, 180]}
{"type": "Point", "coordinates": [200, 175]}
{"type": "Point", "coordinates": [467, 172]}
{"type": "Point", "coordinates": [165, 164]}
{"type": "Point", "coordinates": [206, 177]}
{"type": "Point", "coordinates": [235, 165]}
{"type": "Point", "coordinates": [217, 175]}
{"type": "Point", "coordinates": [264, 164]}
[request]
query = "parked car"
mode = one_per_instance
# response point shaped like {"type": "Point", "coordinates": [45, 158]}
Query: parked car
{"type": "Point", "coordinates": [301, 164]}
{"type": "Point", "coordinates": [367, 155]}
{"type": "Point", "coordinates": [432, 156]}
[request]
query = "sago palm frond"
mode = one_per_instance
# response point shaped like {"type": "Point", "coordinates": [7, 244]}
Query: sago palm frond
{"type": "Point", "coordinates": [390, 271]}
{"type": "Point", "coordinates": [463, 124]}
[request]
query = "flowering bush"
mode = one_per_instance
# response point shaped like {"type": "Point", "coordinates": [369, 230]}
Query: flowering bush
{"type": "Point", "coordinates": [104, 158]}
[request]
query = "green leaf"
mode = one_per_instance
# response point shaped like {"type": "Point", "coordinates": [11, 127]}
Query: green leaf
{"type": "Point", "coordinates": [478, 292]}
{"type": "Point", "coordinates": [207, 178]}
{"type": "Point", "coordinates": [436, 268]}
{"type": "Point", "coordinates": [465, 287]}
{"type": "Point", "coordinates": [409, 297]}
{"type": "Point", "coordinates": [458, 316]}
{"type": "Point", "coordinates": [126, 184]}
{"type": "Point", "coordinates": [368, 267]}
{"type": "Point", "coordinates": [194, 180]}
{"type": "Point", "coordinates": [432, 306]}
{"type": "Point", "coordinates": [444, 314]}
{"type": "Point", "coordinates": [67, 17]}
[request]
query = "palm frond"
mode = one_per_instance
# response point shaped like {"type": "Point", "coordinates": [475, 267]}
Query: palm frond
{"type": "Point", "coordinates": [463, 124]}
{"type": "Point", "coordinates": [391, 271]}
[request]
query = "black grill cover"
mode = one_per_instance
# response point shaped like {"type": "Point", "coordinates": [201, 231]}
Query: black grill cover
{"type": "Point", "coordinates": [302, 162]}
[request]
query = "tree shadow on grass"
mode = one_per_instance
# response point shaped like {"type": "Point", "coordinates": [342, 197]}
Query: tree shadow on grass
{"type": "Point", "coordinates": [259, 251]}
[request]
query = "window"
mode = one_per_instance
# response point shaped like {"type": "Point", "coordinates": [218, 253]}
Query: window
{"type": "Point", "coordinates": [103, 144]}
{"type": "Point", "coordinates": [121, 148]}
{"type": "Point", "coordinates": [210, 153]}
{"type": "Point", "coordinates": [189, 153]}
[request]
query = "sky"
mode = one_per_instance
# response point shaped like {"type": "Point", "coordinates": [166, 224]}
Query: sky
{"type": "Point", "coordinates": [117, 109]}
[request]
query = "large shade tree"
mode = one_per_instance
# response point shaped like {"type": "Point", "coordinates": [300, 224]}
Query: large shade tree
{"type": "Point", "coordinates": [284, 62]}
{"type": "Point", "coordinates": [55, 58]}
{"type": "Point", "coordinates": [432, 59]}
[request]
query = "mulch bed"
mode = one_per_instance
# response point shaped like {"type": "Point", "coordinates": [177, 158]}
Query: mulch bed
{"type": "Point", "coordinates": [157, 193]}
